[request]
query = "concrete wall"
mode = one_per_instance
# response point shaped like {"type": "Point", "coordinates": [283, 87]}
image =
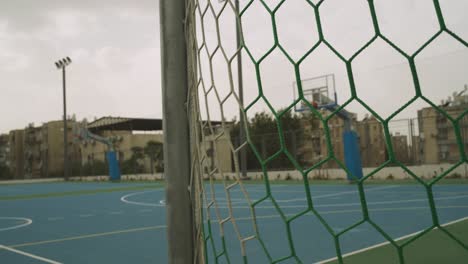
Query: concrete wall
{"type": "Point", "coordinates": [424, 171]}
{"type": "Point", "coordinates": [127, 177]}
{"type": "Point", "coordinates": [28, 181]}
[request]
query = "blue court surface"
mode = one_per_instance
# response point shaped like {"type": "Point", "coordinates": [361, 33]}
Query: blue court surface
{"type": "Point", "coordinates": [126, 222]}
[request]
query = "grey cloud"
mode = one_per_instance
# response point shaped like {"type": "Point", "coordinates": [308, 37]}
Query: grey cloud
{"type": "Point", "coordinates": [28, 15]}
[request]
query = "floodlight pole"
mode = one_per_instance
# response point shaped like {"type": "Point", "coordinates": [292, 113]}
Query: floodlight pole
{"type": "Point", "coordinates": [65, 126]}
{"type": "Point", "coordinates": [62, 65]}
{"type": "Point", "coordinates": [177, 163]}
{"type": "Point", "coordinates": [243, 152]}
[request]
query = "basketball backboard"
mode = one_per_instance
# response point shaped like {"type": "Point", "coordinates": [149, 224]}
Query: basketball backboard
{"type": "Point", "coordinates": [318, 91]}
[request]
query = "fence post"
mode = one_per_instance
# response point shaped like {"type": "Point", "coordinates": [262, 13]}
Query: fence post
{"type": "Point", "coordinates": [176, 132]}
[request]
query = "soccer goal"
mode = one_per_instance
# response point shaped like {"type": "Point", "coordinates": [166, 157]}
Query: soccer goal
{"type": "Point", "coordinates": [241, 189]}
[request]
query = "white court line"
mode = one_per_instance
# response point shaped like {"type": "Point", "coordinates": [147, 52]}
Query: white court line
{"type": "Point", "coordinates": [124, 199]}
{"type": "Point", "coordinates": [123, 231]}
{"type": "Point", "coordinates": [222, 202]}
{"type": "Point", "coordinates": [386, 243]}
{"type": "Point", "coordinates": [343, 212]}
{"type": "Point", "coordinates": [315, 197]}
{"type": "Point", "coordinates": [347, 192]}
{"type": "Point", "coordinates": [282, 191]}
{"type": "Point", "coordinates": [359, 204]}
{"type": "Point", "coordinates": [27, 222]}
{"type": "Point", "coordinates": [395, 202]}
{"type": "Point", "coordinates": [335, 194]}
{"type": "Point", "coordinates": [86, 215]}
{"type": "Point", "coordinates": [155, 228]}
{"type": "Point", "coordinates": [29, 255]}
{"type": "Point", "coordinates": [116, 213]}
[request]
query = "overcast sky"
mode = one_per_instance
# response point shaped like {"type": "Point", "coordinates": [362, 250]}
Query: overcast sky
{"type": "Point", "coordinates": [114, 45]}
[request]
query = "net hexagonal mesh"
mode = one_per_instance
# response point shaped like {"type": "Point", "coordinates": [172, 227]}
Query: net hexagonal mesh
{"type": "Point", "coordinates": [241, 219]}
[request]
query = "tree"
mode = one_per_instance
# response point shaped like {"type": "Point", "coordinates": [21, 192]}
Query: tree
{"type": "Point", "coordinates": [154, 151]}
{"type": "Point", "coordinates": [4, 172]}
{"type": "Point", "coordinates": [265, 138]}
{"type": "Point", "coordinates": [137, 153]}
{"type": "Point", "coordinates": [96, 167]}
{"type": "Point", "coordinates": [133, 165]}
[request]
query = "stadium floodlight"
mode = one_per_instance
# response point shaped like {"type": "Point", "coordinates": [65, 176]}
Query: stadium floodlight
{"type": "Point", "coordinates": [61, 65]}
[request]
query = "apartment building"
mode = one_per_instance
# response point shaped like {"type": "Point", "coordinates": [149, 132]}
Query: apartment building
{"type": "Point", "coordinates": [16, 156]}
{"type": "Point", "coordinates": [4, 154]}
{"type": "Point", "coordinates": [437, 133]}
{"type": "Point", "coordinates": [371, 142]}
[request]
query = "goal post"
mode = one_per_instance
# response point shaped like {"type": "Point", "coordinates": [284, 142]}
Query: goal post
{"type": "Point", "coordinates": [174, 66]}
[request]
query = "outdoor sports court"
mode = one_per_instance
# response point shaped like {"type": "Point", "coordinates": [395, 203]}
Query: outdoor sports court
{"type": "Point", "coordinates": [125, 223]}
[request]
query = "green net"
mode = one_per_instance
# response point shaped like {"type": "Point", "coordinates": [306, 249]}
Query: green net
{"type": "Point", "coordinates": [226, 208]}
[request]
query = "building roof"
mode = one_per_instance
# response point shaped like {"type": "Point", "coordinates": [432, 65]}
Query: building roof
{"type": "Point", "coordinates": [125, 123]}
{"type": "Point", "coordinates": [128, 124]}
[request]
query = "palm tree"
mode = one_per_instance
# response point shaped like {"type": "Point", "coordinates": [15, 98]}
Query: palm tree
{"type": "Point", "coordinates": [154, 151]}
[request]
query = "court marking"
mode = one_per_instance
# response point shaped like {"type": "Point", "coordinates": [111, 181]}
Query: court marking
{"type": "Point", "coordinates": [85, 215]}
{"type": "Point", "coordinates": [29, 255]}
{"type": "Point", "coordinates": [27, 222]}
{"type": "Point", "coordinates": [333, 194]}
{"type": "Point", "coordinates": [222, 202]}
{"type": "Point", "coordinates": [341, 211]}
{"type": "Point", "coordinates": [139, 229]}
{"type": "Point", "coordinates": [162, 204]}
{"type": "Point", "coordinates": [125, 199]}
{"type": "Point", "coordinates": [223, 206]}
{"type": "Point", "coordinates": [328, 194]}
{"type": "Point", "coordinates": [359, 204]}
{"type": "Point", "coordinates": [89, 236]}
{"type": "Point", "coordinates": [387, 242]}
{"type": "Point", "coordinates": [116, 213]}
{"type": "Point", "coordinates": [345, 211]}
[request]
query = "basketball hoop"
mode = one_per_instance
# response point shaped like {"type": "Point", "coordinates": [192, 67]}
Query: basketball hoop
{"type": "Point", "coordinates": [318, 91]}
